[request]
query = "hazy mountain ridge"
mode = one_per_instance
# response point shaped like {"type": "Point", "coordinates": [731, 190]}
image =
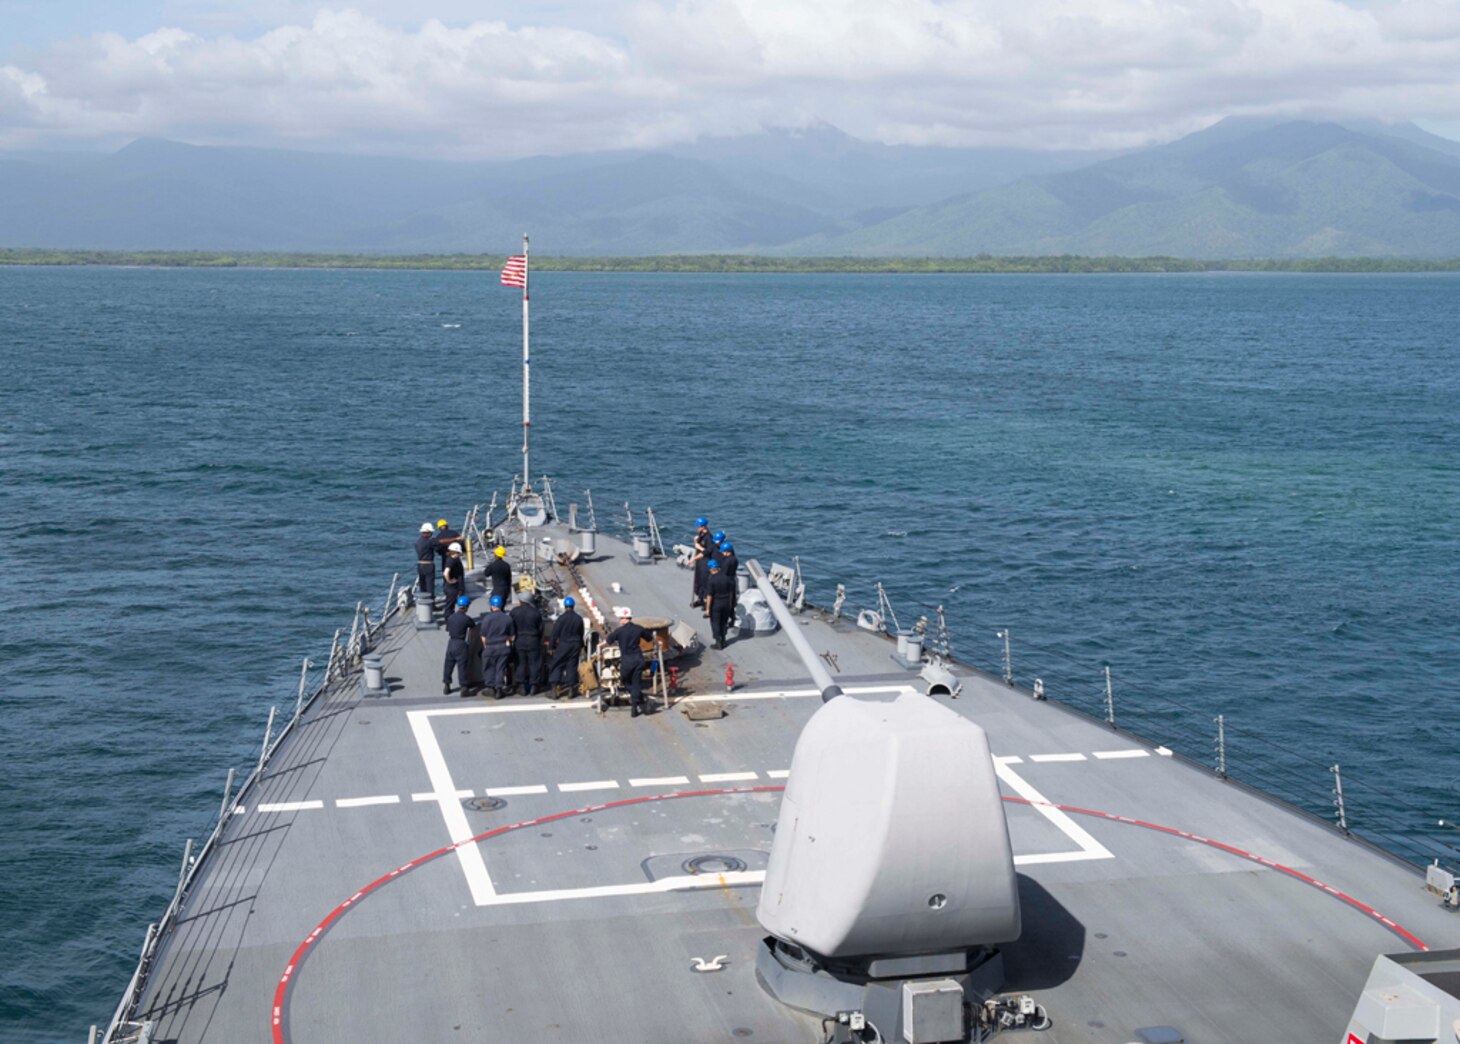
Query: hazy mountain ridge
{"type": "Point", "coordinates": [1240, 189]}
{"type": "Point", "coordinates": [716, 195]}
{"type": "Point", "coordinates": [1243, 188]}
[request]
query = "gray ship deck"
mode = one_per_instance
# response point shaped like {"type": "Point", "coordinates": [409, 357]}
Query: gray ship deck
{"type": "Point", "coordinates": [581, 922]}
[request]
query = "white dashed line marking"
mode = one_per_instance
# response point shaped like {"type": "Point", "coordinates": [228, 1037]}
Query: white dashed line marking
{"type": "Point", "coordinates": [652, 781]}
{"type": "Point", "coordinates": [359, 802]}
{"type": "Point", "coordinates": [431, 795]}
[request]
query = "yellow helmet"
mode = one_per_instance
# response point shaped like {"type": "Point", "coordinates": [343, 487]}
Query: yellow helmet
{"type": "Point", "coordinates": [441, 523]}
{"type": "Point", "coordinates": [500, 551]}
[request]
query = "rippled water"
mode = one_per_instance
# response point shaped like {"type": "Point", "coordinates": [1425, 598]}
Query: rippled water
{"type": "Point", "coordinates": [1242, 492]}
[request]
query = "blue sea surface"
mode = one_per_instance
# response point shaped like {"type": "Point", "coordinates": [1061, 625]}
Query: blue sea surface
{"type": "Point", "coordinates": [1241, 492]}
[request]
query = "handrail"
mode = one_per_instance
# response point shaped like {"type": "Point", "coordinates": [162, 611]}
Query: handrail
{"type": "Point", "coordinates": [344, 659]}
{"type": "Point", "coordinates": [339, 664]}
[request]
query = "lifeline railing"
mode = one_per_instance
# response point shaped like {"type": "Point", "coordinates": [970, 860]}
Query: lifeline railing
{"type": "Point", "coordinates": [1084, 687]}
{"type": "Point", "coordinates": [344, 658]}
{"type": "Point", "coordinates": [1235, 753]}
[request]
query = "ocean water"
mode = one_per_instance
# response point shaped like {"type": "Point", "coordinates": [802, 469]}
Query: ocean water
{"type": "Point", "coordinates": [1241, 492]}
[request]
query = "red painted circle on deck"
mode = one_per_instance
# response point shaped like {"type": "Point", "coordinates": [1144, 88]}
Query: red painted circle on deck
{"type": "Point", "coordinates": [281, 991]}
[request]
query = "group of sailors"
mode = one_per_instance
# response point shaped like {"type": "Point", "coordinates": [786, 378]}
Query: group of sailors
{"type": "Point", "coordinates": [512, 641]}
{"type": "Point", "coordinates": [513, 646]}
{"type": "Point", "coordinates": [715, 567]}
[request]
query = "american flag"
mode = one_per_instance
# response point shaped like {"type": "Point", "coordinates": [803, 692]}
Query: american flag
{"type": "Point", "coordinates": [514, 273]}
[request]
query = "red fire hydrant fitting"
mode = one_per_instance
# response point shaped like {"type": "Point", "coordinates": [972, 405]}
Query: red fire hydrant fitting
{"type": "Point", "coordinates": [673, 679]}
{"type": "Point", "coordinates": [729, 677]}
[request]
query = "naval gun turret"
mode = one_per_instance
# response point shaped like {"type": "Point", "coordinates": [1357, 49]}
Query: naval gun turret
{"type": "Point", "coordinates": [891, 879]}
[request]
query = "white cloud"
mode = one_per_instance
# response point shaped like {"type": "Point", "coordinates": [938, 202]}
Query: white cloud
{"type": "Point", "coordinates": [1040, 73]}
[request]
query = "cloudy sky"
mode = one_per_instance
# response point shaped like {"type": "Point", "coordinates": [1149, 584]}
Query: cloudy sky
{"type": "Point", "coordinates": [457, 79]}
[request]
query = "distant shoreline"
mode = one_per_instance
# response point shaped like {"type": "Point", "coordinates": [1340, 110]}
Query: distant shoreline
{"type": "Point", "coordinates": [714, 263]}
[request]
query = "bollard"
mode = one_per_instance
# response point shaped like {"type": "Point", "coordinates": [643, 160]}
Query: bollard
{"type": "Point", "coordinates": [374, 673]}
{"type": "Point", "coordinates": [424, 612]}
{"type": "Point", "coordinates": [587, 542]}
{"type": "Point", "coordinates": [909, 650]}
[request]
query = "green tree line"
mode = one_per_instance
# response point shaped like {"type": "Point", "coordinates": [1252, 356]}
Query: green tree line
{"type": "Point", "coordinates": [983, 263]}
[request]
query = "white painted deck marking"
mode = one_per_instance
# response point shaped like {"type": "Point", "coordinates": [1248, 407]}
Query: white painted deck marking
{"type": "Point", "coordinates": [431, 795]}
{"type": "Point", "coordinates": [684, 883]}
{"type": "Point", "coordinates": [447, 797]}
{"type": "Point", "coordinates": [360, 802]}
{"type": "Point", "coordinates": [506, 708]}
{"type": "Point", "coordinates": [658, 781]}
{"type": "Point", "coordinates": [1089, 847]}
{"type": "Point", "coordinates": [552, 705]}
{"type": "Point", "coordinates": [781, 694]}
{"type": "Point", "coordinates": [289, 806]}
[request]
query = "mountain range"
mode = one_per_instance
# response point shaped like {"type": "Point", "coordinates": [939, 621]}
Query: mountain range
{"type": "Point", "coordinates": [1240, 189]}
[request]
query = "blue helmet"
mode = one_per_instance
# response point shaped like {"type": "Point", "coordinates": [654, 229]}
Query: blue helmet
{"type": "Point", "coordinates": [496, 601]}
{"type": "Point", "coordinates": [568, 602]}
{"type": "Point", "coordinates": [714, 563]}
{"type": "Point", "coordinates": [463, 602]}
{"type": "Point", "coordinates": [718, 535]}
{"type": "Point", "coordinates": [727, 547]}
{"type": "Point", "coordinates": [701, 521]}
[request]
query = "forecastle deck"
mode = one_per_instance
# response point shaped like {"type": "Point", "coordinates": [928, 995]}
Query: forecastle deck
{"type": "Point", "coordinates": [364, 890]}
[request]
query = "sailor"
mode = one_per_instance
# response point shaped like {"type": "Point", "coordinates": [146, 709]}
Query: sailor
{"type": "Point", "coordinates": [700, 561]}
{"type": "Point", "coordinates": [712, 554]}
{"type": "Point", "coordinates": [453, 574]}
{"type": "Point", "coordinates": [728, 562]}
{"type": "Point", "coordinates": [627, 637]}
{"type": "Point", "coordinates": [445, 537]}
{"type": "Point", "coordinates": [497, 631]}
{"type": "Point", "coordinates": [459, 625]}
{"type": "Point", "coordinates": [566, 644]}
{"type": "Point", "coordinates": [426, 561]}
{"type": "Point", "coordinates": [720, 596]}
{"type": "Point", "coordinates": [527, 644]}
{"type": "Point", "coordinates": [498, 574]}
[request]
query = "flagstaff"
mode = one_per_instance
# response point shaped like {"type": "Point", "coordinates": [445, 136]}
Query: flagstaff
{"type": "Point", "coordinates": [514, 274]}
{"type": "Point", "coordinates": [526, 382]}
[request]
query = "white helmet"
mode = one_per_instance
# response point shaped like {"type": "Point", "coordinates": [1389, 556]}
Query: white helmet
{"type": "Point", "coordinates": [426, 528]}
{"type": "Point", "coordinates": [455, 547]}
